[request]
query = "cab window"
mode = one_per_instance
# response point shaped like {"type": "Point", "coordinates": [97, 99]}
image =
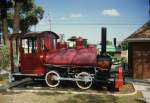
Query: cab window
{"type": "Point", "coordinates": [29, 45]}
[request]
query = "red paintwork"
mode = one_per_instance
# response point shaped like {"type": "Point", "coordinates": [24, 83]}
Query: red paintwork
{"type": "Point", "coordinates": [62, 45]}
{"type": "Point", "coordinates": [48, 41]}
{"type": "Point", "coordinates": [119, 79]}
{"type": "Point", "coordinates": [79, 57]}
{"type": "Point", "coordinates": [79, 43]}
{"type": "Point", "coordinates": [31, 64]}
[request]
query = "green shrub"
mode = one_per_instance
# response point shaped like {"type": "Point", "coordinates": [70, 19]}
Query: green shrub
{"type": "Point", "coordinates": [4, 57]}
{"type": "Point", "coordinates": [1, 78]}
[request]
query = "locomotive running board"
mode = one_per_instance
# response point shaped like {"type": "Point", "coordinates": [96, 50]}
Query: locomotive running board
{"type": "Point", "coordinates": [16, 83]}
{"type": "Point", "coordinates": [20, 74]}
{"type": "Point", "coordinates": [66, 66]}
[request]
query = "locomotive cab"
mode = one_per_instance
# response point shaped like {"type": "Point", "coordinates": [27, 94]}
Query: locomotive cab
{"type": "Point", "coordinates": [29, 51]}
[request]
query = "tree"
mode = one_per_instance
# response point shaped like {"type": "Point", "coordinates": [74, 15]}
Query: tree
{"type": "Point", "coordinates": [16, 17]}
{"type": "Point", "coordinates": [4, 6]}
{"type": "Point", "coordinates": [26, 14]}
{"type": "Point", "coordinates": [123, 45]}
{"type": "Point", "coordinates": [32, 18]}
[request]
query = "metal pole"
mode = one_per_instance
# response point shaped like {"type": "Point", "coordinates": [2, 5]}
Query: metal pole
{"type": "Point", "coordinates": [48, 17]}
{"type": "Point", "coordinates": [35, 28]}
{"type": "Point", "coordinates": [50, 22]}
{"type": "Point", "coordinates": [149, 9]}
{"type": "Point", "coordinates": [11, 55]}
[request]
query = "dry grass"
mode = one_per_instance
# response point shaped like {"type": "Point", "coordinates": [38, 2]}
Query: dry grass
{"type": "Point", "coordinates": [66, 98]}
{"type": "Point", "coordinates": [127, 88]}
{"type": "Point", "coordinates": [40, 97]}
{"type": "Point", "coordinates": [4, 81]}
{"type": "Point", "coordinates": [137, 98]}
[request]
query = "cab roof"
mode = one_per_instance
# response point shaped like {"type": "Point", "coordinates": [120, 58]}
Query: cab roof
{"type": "Point", "coordinates": [34, 34]}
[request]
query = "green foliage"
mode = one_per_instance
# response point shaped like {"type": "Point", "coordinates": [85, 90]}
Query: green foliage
{"type": "Point", "coordinates": [123, 60]}
{"type": "Point", "coordinates": [1, 78]}
{"type": "Point", "coordinates": [4, 57]}
{"type": "Point", "coordinates": [30, 14]}
{"type": "Point", "coordinates": [123, 45]}
{"type": "Point", "coordinates": [119, 60]}
{"type": "Point", "coordinates": [109, 42]}
{"type": "Point", "coordinates": [10, 19]}
{"type": "Point", "coordinates": [31, 18]}
{"type": "Point", "coordinates": [4, 6]}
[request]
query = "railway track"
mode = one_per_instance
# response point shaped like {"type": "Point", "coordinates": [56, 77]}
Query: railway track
{"type": "Point", "coordinates": [71, 90]}
{"type": "Point", "coordinates": [28, 85]}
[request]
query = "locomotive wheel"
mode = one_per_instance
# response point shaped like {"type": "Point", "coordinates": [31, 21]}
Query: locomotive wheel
{"type": "Point", "coordinates": [52, 79]}
{"type": "Point", "coordinates": [84, 80]}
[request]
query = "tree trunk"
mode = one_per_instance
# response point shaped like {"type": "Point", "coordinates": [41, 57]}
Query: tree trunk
{"type": "Point", "coordinates": [5, 29]}
{"type": "Point", "coordinates": [16, 19]}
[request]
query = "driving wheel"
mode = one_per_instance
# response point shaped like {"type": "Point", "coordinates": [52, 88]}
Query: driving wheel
{"type": "Point", "coordinates": [52, 79]}
{"type": "Point", "coordinates": [84, 80]}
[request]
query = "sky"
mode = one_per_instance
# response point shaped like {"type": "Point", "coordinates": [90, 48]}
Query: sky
{"type": "Point", "coordinates": [86, 17]}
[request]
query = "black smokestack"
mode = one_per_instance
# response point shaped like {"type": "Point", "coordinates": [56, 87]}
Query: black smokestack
{"type": "Point", "coordinates": [103, 41]}
{"type": "Point", "coordinates": [115, 42]}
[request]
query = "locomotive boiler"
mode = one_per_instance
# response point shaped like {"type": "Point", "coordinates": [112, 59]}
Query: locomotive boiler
{"type": "Point", "coordinates": [42, 56]}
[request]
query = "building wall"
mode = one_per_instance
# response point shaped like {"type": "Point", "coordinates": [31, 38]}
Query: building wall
{"type": "Point", "coordinates": [139, 59]}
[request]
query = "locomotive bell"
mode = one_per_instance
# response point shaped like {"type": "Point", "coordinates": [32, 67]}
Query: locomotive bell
{"type": "Point", "coordinates": [104, 61]}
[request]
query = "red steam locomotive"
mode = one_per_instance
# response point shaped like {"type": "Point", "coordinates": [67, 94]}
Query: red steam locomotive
{"type": "Point", "coordinates": [41, 56]}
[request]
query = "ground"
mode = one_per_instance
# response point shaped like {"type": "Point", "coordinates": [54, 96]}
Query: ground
{"type": "Point", "coordinates": [144, 87]}
{"type": "Point", "coordinates": [27, 97]}
{"type": "Point", "coordinates": [55, 97]}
